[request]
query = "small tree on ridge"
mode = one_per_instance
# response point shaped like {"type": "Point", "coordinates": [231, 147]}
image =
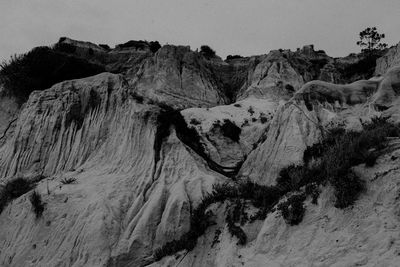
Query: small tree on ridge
{"type": "Point", "coordinates": [370, 41]}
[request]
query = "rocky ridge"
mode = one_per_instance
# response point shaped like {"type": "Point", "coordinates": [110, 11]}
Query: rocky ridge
{"type": "Point", "coordinates": [146, 143]}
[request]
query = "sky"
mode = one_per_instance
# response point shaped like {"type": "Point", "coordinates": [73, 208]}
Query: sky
{"type": "Point", "coordinates": [245, 27]}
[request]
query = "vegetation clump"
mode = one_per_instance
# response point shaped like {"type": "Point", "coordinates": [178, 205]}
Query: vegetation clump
{"type": "Point", "coordinates": [41, 68]}
{"type": "Point", "coordinates": [370, 40]}
{"type": "Point", "coordinates": [14, 189]}
{"type": "Point", "coordinates": [207, 51]}
{"type": "Point", "coordinates": [292, 209]}
{"type": "Point", "coordinates": [231, 130]}
{"type": "Point", "coordinates": [68, 180]}
{"type": "Point", "coordinates": [37, 204]}
{"type": "Point", "coordinates": [230, 57]}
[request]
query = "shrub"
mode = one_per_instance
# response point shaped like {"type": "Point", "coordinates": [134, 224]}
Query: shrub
{"type": "Point", "coordinates": [334, 157]}
{"type": "Point", "coordinates": [207, 51]}
{"type": "Point", "coordinates": [371, 159]}
{"type": "Point", "coordinates": [37, 203]}
{"type": "Point", "coordinates": [365, 66]}
{"type": "Point", "coordinates": [263, 118]}
{"type": "Point", "coordinates": [195, 121]}
{"type": "Point", "coordinates": [292, 209]}
{"type": "Point", "coordinates": [231, 130]}
{"type": "Point", "coordinates": [290, 88]}
{"type": "Point", "coordinates": [230, 57]}
{"type": "Point", "coordinates": [12, 190]}
{"type": "Point", "coordinates": [69, 180]}
{"type": "Point", "coordinates": [237, 231]}
{"type": "Point", "coordinates": [154, 46]}
{"type": "Point", "coordinates": [348, 187]}
{"type": "Point", "coordinates": [105, 47]}
{"type": "Point", "coordinates": [41, 68]}
{"type": "Point", "coordinates": [135, 44]}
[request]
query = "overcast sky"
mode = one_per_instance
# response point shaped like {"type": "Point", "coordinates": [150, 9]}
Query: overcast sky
{"type": "Point", "coordinates": [246, 27]}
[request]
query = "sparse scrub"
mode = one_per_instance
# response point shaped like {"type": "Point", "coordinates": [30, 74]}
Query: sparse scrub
{"type": "Point", "coordinates": [195, 121]}
{"type": "Point", "coordinates": [292, 209]}
{"type": "Point", "coordinates": [37, 204]}
{"type": "Point", "coordinates": [328, 161]}
{"type": "Point", "coordinates": [207, 51]}
{"type": "Point", "coordinates": [69, 180]}
{"type": "Point", "coordinates": [229, 130]}
{"type": "Point", "coordinates": [332, 159]}
{"type": "Point", "coordinates": [41, 68]}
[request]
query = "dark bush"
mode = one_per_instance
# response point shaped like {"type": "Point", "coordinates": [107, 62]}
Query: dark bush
{"type": "Point", "coordinates": [292, 209]}
{"type": "Point", "coordinates": [263, 118]}
{"type": "Point", "coordinates": [290, 88]}
{"type": "Point", "coordinates": [69, 180]}
{"type": "Point", "coordinates": [364, 67]}
{"type": "Point", "coordinates": [154, 46]}
{"type": "Point", "coordinates": [105, 47]}
{"type": "Point", "coordinates": [135, 44]}
{"type": "Point", "coordinates": [230, 130]}
{"type": "Point", "coordinates": [12, 190]}
{"type": "Point", "coordinates": [195, 121]}
{"type": "Point", "coordinates": [348, 187]}
{"type": "Point", "coordinates": [207, 51]}
{"type": "Point", "coordinates": [237, 231]}
{"type": "Point", "coordinates": [41, 68]}
{"type": "Point", "coordinates": [313, 191]}
{"type": "Point", "coordinates": [371, 158]}
{"type": "Point", "coordinates": [37, 203]}
{"type": "Point", "coordinates": [230, 57]}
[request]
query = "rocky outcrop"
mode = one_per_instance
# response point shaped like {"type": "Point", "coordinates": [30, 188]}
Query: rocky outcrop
{"type": "Point", "coordinates": [179, 78]}
{"type": "Point", "coordinates": [117, 60]}
{"type": "Point", "coordinates": [390, 59]}
{"type": "Point", "coordinates": [146, 146]}
{"type": "Point", "coordinates": [229, 133]}
{"type": "Point", "coordinates": [94, 131]}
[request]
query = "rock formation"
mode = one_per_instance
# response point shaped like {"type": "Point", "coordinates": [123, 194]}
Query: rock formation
{"type": "Point", "coordinates": [146, 141]}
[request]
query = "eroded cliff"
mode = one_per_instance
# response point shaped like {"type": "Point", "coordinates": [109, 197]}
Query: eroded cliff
{"type": "Point", "coordinates": [146, 144]}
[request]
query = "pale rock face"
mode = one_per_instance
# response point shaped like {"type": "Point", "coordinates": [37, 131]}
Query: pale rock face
{"type": "Point", "coordinates": [302, 121]}
{"type": "Point", "coordinates": [134, 189]}
{"type": "Point", "coordinates": [272, 78]}
{"type": "Point", "coordinates": [291, 131]}
{"type": "Point", "coordinates": [252, 116]}
{"type": "Point", "coordinates": [390, 59]}
{"type": "Point", "coordinates": [177, 77]}
{"type": "Point", "coordinates": [346, 94]}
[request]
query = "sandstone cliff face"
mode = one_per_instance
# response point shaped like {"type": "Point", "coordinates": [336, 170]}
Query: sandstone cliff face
{"type": "Point", "coordinates": [146, 145]}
